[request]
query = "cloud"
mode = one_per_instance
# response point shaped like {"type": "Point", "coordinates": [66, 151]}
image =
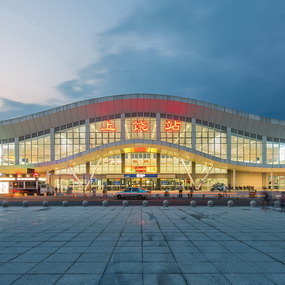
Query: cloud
{"type": "Point", "coordinates": [225, 52]}
{"type": "Point", "coordinates": [10, 109]}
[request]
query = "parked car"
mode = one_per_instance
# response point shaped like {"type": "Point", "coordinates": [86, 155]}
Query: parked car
{"type": "Point", "coordinates": [133, 192]}
{"type": "Point", "coordinates": [46, 189]}
{"type": "Point", "coordinates": [218, 187]}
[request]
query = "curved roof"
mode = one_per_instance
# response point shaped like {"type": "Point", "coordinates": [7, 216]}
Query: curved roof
{"type": "Point", "coordinates": [142, 102]}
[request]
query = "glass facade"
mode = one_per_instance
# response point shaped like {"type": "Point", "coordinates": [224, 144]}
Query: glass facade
{"type": "Point", "coordinates": [275, 152]}
{"type": "Point", "coordinates": [70, 141]}
{"type": "Point", "coordinates": [205, 137]}
{"type": "Point", "coordinates": [176, 131]}
{"type": "Point", "coordinates": [203, 169]}
{"type": "Point", "coordinates": [35, 150]}
{"type": "Point", "coordinates": [211, 141]}
{"type": "Point", "coordinates": [110, 164]}
{"type": "Point", "coordinates": [106, 131]}
{"type": "Point", "coordinates": [140, 162]}
{"type": "Point", "coordinates": [245, 149]}
{"type": "Point", "coordinates": [171, 164]}
{"type": "Point", "coordinates": [140, 128]}
{"type": "Point", "coordinates": [7, 153]}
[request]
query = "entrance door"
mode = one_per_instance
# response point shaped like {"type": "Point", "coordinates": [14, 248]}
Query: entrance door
{"type": "Point", "coordinates": [146, 183]}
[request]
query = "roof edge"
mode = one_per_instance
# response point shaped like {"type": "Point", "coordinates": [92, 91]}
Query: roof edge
{"type": "Point", "coordinates": [142, 95]}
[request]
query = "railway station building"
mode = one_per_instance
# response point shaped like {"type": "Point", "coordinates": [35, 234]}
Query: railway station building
{"type": "Point", "coordinates": [147, 140]}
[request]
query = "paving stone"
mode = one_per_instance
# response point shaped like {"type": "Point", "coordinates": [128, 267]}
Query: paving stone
{"type": "Point", "coordinates": [124, 267]}
{"type": "Point", "coordinates": [276, 278]}
{"type": "Point", "coordinates": [43, 279]}
{"type": "Point", "coordinates": [120, 279]}
{"type": "Point", "coordinates": [62, 257]}
{"type": "Point", "coordinates": [31, 257]}
{"type": "Point", "coordinates": [165, 279]}
{"type": "Point", "coordinates": [94, 257]}
{"type": "Point", "coordinates": [50, 268]}
{"type": "Point", "coordinates": [161, 267]}
{"type": "Point", "coordinates": [16, 268]}
{"type": "Point", "coordinates": [206, 279]}
{"type": "Point", "coordinates": [88, 268]}
{"type": "Point", "coordinates": [112, 245]}
{"type": "Point", "coordinates": [248, 279]}
{"type": "Point", "coordinates": [82, 279]}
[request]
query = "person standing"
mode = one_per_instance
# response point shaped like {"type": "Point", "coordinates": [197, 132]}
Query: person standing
{"type": "Point", "coordinates": [180, 191]}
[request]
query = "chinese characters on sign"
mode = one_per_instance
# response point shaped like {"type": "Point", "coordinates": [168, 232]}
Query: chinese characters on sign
{"type": "Point", "coordinates": [172, 125]}
{"type": "Point", "coordinates": [110, 127]}
{"type": "Point", "coordinates": [140, 126]}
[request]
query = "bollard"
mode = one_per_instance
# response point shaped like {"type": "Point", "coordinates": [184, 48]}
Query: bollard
{"type": "Point", "coordinates": [35, 194]}
{"type": "Point", "coordinates": [54, 194]}
{"type": "Point", "coordinates": [5, 203]}
{"type": "Point", "coordinates": [125, 203]}
{"type": "Point", "coordinates": [25, 204]}
{"type": "Point", "coordinates": [165, 203]}
{"type": "Point", "coordinates": [253, 203]}
{"type": "Point", "coordinates": [145, 203]}
{"type": "Point", "coordinates": [210, 203]}
{"type": "Point", "coordinates": [277, 204]}
{"type": "Point", "coordinates": [85, 203]}
{"type": "Point", "coordinates": [45, 203]}
{"type": "Point", "coordinates": [105, 203]}
{"type": "Point", "coordinates": [45, 194]}
{"type": "Point", "coordinates": [65, 203]}
{"type": "Point", "coordinates": [193, 203]}
{"type": "Point", "coordinates": [231, 203]}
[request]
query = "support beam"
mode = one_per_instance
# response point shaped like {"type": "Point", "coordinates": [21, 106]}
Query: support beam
{"type": "Point", "coordinates": [187, 171]}
{"type": "Point", "coordinates": [93, 172]}
{"type": "Point", "coordinates": [75, 176]}
{"type": "Point", "coordinates": [205, 177]}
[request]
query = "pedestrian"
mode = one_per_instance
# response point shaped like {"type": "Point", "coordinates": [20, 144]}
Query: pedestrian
{"type": "Point", "coordinates": [105, 191]}
{"type": "Point", "coordinates": [282, 201]}
{"type": "Point", "coordinates": [191, 192]}
{"type": "Point", "coordinates": [265, 200]}
{"type": "Point", "coordinates": [180, 191]}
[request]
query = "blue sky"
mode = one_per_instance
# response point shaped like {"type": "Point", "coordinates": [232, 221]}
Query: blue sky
{"type": "Point", "coordinates": [54, 52]}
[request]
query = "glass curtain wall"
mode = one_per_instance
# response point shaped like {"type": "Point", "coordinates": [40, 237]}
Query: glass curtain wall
{"type": "Point", "coordinates": [34, 150]}
{"type": "Point", "coordinates": [211, 141]}
{"type": "Point", "coordinates": [7, 153]}
{"type": "Point", "coordinates": [275, 152]}
{"type": "Point", "coordinates": [105, 131]}
{"type": "Point", "coordinates": [110, 164]}
{"type": "Point", "coordinates": [140, 162]}
{"type": "Point", "coordinates": [203, 169]}
{"type": "Point", "coordinates": [70, 141]}
{"type": "Point", "coordinates": [171, 164]}
{"type": "Point", "coordinates": [177, 131]}
{"type": "Point", "coordinates": [138, 126]}
{"type": "Point", "coordinates": [245, 149]}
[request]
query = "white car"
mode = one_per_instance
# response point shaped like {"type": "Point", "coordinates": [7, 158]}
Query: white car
{"type": "Point", "coordinates": [133, 192]}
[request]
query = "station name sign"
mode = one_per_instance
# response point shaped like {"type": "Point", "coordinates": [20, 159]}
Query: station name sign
{"type": "Point", "coordinates": [140, 175]}
{"type": "Point", "coordinates": [141, 126]}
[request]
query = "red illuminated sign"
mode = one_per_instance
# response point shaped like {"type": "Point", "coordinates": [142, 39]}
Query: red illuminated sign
{"type": "Point", "coordinates": [110, 127]}
{"type": "Point", "coordinates": [140, 126]}
{"type": "Point", "coordinates": [172, 125]}
{"type": "Point", "coordinates": [140, 169]}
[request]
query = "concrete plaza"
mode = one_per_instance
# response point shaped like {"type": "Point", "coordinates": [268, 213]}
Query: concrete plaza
{"type": "Point", "coordinates": [142, 245]}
